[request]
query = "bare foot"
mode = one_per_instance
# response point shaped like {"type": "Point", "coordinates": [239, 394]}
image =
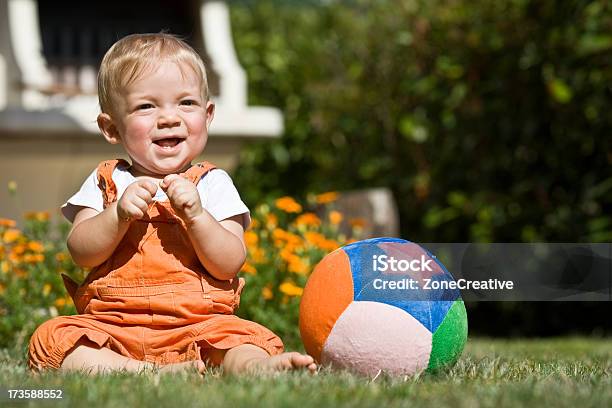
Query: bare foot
{"type": "Point", "coordinates": [195, 365]}
{"type": "Point", "coordinates": [284, 362]}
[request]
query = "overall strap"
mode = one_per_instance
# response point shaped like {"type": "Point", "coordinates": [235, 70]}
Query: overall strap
{"type": "Point", "coordinates": [71, 286]}
{"type": "Point", "coordinates": [197, 171]}
{"type": "Point", "coordinates": [105, 179]}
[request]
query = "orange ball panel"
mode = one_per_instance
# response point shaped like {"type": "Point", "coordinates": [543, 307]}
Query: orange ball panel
{"type": "Point", "coordinates": [319, 311]}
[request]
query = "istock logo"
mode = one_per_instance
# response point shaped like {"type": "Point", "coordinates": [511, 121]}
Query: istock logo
{"type": "Point", "coordinates": [384, 263]}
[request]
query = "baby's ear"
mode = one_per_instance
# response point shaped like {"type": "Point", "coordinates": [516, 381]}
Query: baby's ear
{"type": "Point", "coordinates": [210, 113]}
{"type": "Point", "coordinates": [108, 128]}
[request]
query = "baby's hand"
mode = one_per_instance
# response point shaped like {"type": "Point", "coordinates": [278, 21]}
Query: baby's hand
{"type": "Point", "coordinates": [183, 196]}
{"type": "Point", "coordinates": [134, 202]}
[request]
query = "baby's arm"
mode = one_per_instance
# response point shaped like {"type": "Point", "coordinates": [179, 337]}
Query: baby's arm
{"type": "Point", "coordinates": [95, 235]}
{"type": "Point", "coordinates": [219, 245]}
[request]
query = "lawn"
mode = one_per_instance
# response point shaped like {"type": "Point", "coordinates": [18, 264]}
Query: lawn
{"type": "Point", "coordinates": [500, 373]}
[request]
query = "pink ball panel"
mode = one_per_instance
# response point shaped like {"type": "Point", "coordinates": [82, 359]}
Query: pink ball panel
{"type": "Point", "coordinates": [373, 336]}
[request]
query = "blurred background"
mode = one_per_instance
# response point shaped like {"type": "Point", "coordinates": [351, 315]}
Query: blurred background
{"type": "Point", "coordinates": [434, 121]}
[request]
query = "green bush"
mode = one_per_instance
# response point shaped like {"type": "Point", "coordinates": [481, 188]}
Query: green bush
{"type": "Point", "coordinates": [488, 119]}
{"type": "Point", "coordinates": [31, 288]}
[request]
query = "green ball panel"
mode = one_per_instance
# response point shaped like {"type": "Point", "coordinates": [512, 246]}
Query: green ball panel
{"type": "Point", "coordinates": [450, 337]}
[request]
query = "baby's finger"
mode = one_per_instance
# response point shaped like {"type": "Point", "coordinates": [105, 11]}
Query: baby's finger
{"type": "Point", "coordinates": [144, 194]}
{"type": "Point", "coordinates": [149, 186]}
{"type": "Point", "coordinates": [133, 211]}
{"type": "Point", "coordinates": [169, 180]}
{"type": "Point", "coordinates": [179, 187]}
{"type": "Point", "coordinates": [138, 202]}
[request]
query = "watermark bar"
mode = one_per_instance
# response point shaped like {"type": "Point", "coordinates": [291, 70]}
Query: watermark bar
{"type": "Point", "coordinates": [14, 395]}
{"type": "Point", "coordinates": [495, 272]}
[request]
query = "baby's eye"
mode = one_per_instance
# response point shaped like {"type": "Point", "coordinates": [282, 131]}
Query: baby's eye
{"type": "Point", "coordinates": [144, 106]}
{"type": "Point", "coordinates": [188, 102]}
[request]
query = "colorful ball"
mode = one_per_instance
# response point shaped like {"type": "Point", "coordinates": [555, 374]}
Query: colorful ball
{"type": "Point", "coordinates": [382, 305]}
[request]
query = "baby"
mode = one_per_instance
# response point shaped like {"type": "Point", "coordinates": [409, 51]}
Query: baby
{"type": "Point", "coordinates": [163, 236]}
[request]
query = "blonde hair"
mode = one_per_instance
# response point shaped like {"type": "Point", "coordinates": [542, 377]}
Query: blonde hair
{"type": "Point", "coordinates": [132, 55]}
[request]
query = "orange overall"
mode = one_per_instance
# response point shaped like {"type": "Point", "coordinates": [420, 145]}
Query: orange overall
{"type": "Point", "coordinates": [152, 300]}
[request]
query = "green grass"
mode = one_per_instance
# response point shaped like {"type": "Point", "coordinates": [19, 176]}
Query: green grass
{"type": "Point", "coordinates": [500, 373]}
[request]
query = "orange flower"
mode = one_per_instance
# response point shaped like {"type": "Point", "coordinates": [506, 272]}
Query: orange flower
{"type": "Point", "coordinates": [257, 255]}
{"type": "Point", "coordinates": [36, 246]}
{"type": "Point", "coordinates": [248, 268]}
{"type": "Point", "coordinates": [358, 222]}
{"type": "Point", "coordinates": [61, 256]}
{"type": "Point", "coordinates": [251, 238]}
{"type": "Point", "coordinates": [319, 240]}
{"type": "Point", "coordinates": [299, 266]}
{"type": "Point", "coordinates": [15, 257]}
{"type": "Point", "coordinates": [314, 238]}
{"type": "Point", "coordinates": [290, 289]}
{"type": "Point", "coordinates": [37, 215]}
{"type": "Point", "coordinates": [271, 221]}
{"type": "Point", "coordinates": [335, 217]}
{"type": "Point", "coordinates": [293, 240]}
{"type": "Point", "coordinates": [288, 255]}
{"type": "Point", "coordinates": [33, 258]}
{"type": "Point", "coordinates": [4, 267]}
{"type": "Point", "coordinates": [19, 249]}
{"type": "Point", "coordinates": [11, 235]}
{"type": "Point", "coordinates": [283, 238]}
{"type": "Point", "coordinates": [5, 222]}
{"type": "Point", "coordinates": [329, 245]}
{"type": "Point", "coordinates": [308, 219]}
{"type": "Point", "coordinates": [266, 292]}
{"type": "Point", "coordinates": [279, 236]}
{"type": "Point", "coordinates": [46, 289]}
{"type": "Point", "coordinates": [60, 302]}
{"type": "Point", "coordinates": [20, 272]}
{"type": "Point", "coordinates": [288, 204]}
{"type": "Point", "coordinates": [327, 198]}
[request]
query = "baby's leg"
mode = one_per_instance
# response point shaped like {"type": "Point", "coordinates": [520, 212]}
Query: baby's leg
{"type": "Point", "coordinates": [248, 358]}
{"type": "Point", "coordinates": [87, 356]}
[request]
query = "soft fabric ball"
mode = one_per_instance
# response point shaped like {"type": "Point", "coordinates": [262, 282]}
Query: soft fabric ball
{"type": "Point", "coordinates": [382, 305]}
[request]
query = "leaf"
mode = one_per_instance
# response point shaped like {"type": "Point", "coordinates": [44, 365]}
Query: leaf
{"type": "Point", "coordinates": [599, 224]}
{"type": "Point", "coordinates": [412, 130]}
{"type": "Point", "coordinates": [593, 44]}
{"type": "Point", "coordinates": [600, 189]}
{"type": "Point", "coordinates": [560, 91]}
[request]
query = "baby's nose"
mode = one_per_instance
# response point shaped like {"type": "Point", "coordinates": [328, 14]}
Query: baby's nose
{"type": "Point", "coordinates": [168, 118]}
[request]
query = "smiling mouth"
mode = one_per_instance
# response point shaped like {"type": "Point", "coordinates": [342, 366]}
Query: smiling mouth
{"type": "Point", "coordinates": [169, 142]}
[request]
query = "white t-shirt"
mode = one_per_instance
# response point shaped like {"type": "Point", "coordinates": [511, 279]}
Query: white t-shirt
{"type": "Point", "coordinates": [217, 193]}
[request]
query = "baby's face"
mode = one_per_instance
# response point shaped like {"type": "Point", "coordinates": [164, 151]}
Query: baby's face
{"type": "Point", "coordinates": [162, 120]}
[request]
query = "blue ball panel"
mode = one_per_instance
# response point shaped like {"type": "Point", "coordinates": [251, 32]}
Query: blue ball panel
{"type": "Point", "coordinates": [429, 306]}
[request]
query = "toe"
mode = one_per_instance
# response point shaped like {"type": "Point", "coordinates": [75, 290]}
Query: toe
{"type": "Point", "coordinates": [302, 360]}
{"type": "Point", "coordinates": [305, 359]}
{"type": "Point", "coordinates": [201, 367]}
